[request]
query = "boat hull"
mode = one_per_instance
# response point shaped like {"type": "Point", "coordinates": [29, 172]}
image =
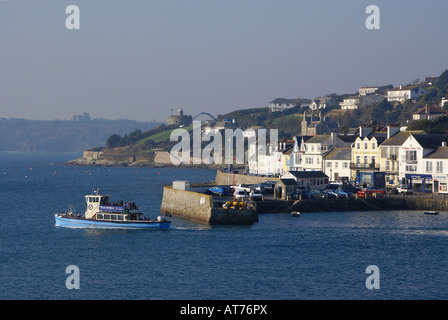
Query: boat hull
{"type": "Point", "coordinates": [73, 222]}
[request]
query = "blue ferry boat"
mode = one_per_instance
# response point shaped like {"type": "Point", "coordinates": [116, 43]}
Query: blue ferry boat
{"type": "Point", "coordinates": [101, 214]}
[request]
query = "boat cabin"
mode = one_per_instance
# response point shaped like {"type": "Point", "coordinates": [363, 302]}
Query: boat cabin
{"type": "Point", "coordinates": [98, 207]}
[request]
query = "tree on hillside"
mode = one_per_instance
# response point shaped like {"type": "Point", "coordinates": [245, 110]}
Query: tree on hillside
{"type": "Point", "coordinates": [113, 140]}
{"type": "Point", "coordinates": [442, 84]}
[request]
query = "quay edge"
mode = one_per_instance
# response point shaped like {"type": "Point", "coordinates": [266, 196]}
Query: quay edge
{"type": "Point", "coordinates": [201, 208]}
{"type": "Point", "coordinates": [369, 204]}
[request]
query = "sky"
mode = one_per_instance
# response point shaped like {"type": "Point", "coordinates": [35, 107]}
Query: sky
{"type": "Point", "coordinates": [142, 60]}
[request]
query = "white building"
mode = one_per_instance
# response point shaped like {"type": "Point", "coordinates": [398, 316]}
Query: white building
{"type": "Point", "coordinates": [337, 163]}
{"type": "Point", "coordinates": [414, 168]}
{"type": "Point", "coordinates": [403, 93]}
{"type": "Point", "coordinates": [350, 103]}
{"type": "Point", "coordinates": [321, 103]}
{"type": "Point", "coordinates": [428, 113]}
{"type": "Point", "coordinates": [367, 90]}
{"type": "Point", "coordinates": [281, 104]}
{"type": "Point", "coordinates": [436, 164]}
{"type": "Point", "coordinates": [443, 101]}
{"type": "Point", "coordinates": [361, 101]}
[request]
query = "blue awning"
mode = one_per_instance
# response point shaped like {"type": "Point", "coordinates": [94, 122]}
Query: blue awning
{"type": "Point", "coordinates": [418, 176]}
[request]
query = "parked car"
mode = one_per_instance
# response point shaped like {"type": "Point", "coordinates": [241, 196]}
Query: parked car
{"type": "Point", "coordinates": [351, 189]}
{"type": "Point", "coordinates": [305, 195]}
{"type": "Point", "coordinates": [268, 187]}
{"type": "Point", "coordinates": [349, 193]}
{"type": "Point", "coordinates": [371, 191]}
{"type": "Point", "coordinates": [333, 186]}
{"type": "Point", "coordinates": [241, 194]}
{"type": "Point", "coordinates": [258, 187]}
{"type": "Point", "coordinates": [317, 194]}
{"type": "Point", "coordinates": [329, 194]}
{"type": "Point", "coordinates": [341, 193]}
{"type": "Point", "coordinates": [256, 195]}
{"type": "Point", "coordinates": [405, 189]}
{"type": "Point", "coordinates": [218, 190]}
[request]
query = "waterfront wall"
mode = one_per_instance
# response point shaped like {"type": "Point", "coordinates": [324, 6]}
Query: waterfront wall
{"type": "Point", "coordinates": [200, 207]}
{"type": "Point", "coordinates": [323, 205]}
{"type": "Point", "coordinates": [222, 178]}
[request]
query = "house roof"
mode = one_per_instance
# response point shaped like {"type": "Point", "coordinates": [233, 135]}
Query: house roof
{"type": "Point", "coordinates": [318, 138]}
{"type": "Point", "coordinates": [430, 110]}
{"type": "Point", "coordinates": [399, 138]}
{"type": "Point", "coordinates": [283, 100]}
{"type": "Point", "coordinates": [400, 88]}
{"type": "Point", "coordinates": [431, 141]}
{"type": "Point", "coordinates": [308, 174]}
{"type": "Point", "coordinates": [288, 182]}
{"type": "Point", "coordinates": [339, 154]}
{"type": "Point", "coordinates": [440, 153]}
{"type": "Point", "coordinates": [347, 138]}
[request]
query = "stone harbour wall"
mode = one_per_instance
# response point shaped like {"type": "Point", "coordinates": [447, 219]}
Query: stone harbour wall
{"type": "Point", "coordinates": [200, 207]}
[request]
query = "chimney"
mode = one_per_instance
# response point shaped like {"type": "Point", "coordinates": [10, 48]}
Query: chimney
{"type": "Point", "coordinates": [392, 130]}
{"type": "Point", "coordinates": [401, 87]}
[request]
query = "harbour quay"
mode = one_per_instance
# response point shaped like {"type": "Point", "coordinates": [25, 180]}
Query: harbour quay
{"type": "Point", "coordinates": [192, 203]}
{"type": "Point", "coordinates": [195, 202]}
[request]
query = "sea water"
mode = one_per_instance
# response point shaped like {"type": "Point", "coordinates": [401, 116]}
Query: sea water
{"type": "Point", "coordinates": [321, 255]}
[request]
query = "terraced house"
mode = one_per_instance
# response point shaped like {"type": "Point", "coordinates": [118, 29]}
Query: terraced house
{"type": "Point", "coordinates": [366, 152]}
{"type": "Point", "coordinates": [421, 162]}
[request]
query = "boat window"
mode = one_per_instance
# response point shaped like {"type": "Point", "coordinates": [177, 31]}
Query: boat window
{"type": "Point", "coordinates": [99, 216]}
{"type": "Point", "coordinates": [114, 217]}
{"type": "Point", "coordinates": [120, 217]}
{"type": "Point", "coordinates": [107, 216]}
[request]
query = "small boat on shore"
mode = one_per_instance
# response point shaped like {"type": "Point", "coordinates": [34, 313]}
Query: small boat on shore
{"type": "Point", "coordinates": [431, 212]}
{"type": "Point", "coordinates": [101, 214]}
{"type": "Point", "coordinates": [295, 214]}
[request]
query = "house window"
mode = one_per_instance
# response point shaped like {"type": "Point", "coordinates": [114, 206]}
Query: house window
{"type": "Point", "coordinates": [428, 166]}
{"type": "Point", "coordinates": [373, 145]}
{"type": "Point", "coordinates": [336, 164]}
{"type": "Point", "coordinates": [345, 165]}
{"type": "Point", "coordinates": [387, 165]}
{"type": "Point", "coordinates": [411, 168]}
{"type": "Point", "coordinates": [309, 160]}
{"type": "Point", "coordinates": [411, 155]}
{"type": "Point", "coordinates": [366, 159]}
{"type": "Point", "coordinates": [439, 167]}
{"type": "Point", "coordinates": [358, 146]}
{"type": "Point", "coordinates": [358, 159]}
{"type": "Point", "coordinates": [329, 164]}
{"type": "Point", "coordinates": [366, 145]}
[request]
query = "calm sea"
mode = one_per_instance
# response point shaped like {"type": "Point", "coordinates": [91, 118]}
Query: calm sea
{"type": "Point", "coordinates": [317, 256]}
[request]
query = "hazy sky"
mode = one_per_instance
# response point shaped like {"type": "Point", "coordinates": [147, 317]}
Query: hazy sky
{"type": "Point", "coordinates": [140, 59]}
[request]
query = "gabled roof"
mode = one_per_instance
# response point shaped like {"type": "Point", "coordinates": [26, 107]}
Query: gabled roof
{"type": "Point", "coordinates": [283, 100]}
{"type": "Point", "coordinates": [440, 153]}
{"type": "Point", "coordinates": [320, 138]}
{"type": "Point", "coordinates": [308, 174]}
{"type": "Point", "coordinates": [339, 154]}
{"type": "Point", "coordinates": [430, 110]}
{"type": "Point", "coordinates": [430, 141]}
{"type": "Point", "coordinates": [400, 88]}
{"type": "Point", "coordinates": [399, 138]}
{"type": "Point", "coordinates": [288, 182]}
